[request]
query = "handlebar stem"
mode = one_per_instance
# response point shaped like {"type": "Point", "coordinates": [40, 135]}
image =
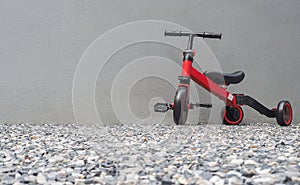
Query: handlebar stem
{"type": "Point", "coordinates": [190, 42]}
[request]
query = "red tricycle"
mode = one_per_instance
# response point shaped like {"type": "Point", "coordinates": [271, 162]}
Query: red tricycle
{"type": "Point", "coordinates": [216, 83]}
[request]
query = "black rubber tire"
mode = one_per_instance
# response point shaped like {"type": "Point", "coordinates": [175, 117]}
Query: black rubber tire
{"type": "Point", "coordinates": [180, 109]}
{"type": "Point", "coordinates": [284, 113]}
{"type": "Point", "coordinates": [232, 115]}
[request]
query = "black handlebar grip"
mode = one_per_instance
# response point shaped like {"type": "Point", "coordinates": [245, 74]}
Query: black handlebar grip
{"type": "Point", "coordinates": [172, 33]}
{"type": "Point", "coordinates": [211, 35]}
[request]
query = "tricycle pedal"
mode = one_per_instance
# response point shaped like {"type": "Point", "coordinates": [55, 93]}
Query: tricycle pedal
{"type": "Point", "coordinates": [162, 107]}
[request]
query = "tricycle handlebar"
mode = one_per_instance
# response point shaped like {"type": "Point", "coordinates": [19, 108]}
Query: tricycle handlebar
{"type": "Point", "coordinates": [190, 34]}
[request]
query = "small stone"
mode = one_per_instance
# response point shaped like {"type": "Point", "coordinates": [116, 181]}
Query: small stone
{"type": "Point", "coordinates": [68, 171]}
{"type": "Point", "coordinates": [296, 179]}
{"type": "Point", "coordinates": [60, 177]}
{"type": "Point", "coordinates": [33, 172]}
{"type": "Point", "coordinates": [217, 180]}
{"type": "Point", "coordinates": [250, 162]}
{"type": "Point", "coordinates": [203, 182]}
{"type": "Point", "coordinates": [132, 177]}
{"type": "Point", "coordinates": [79, 181]}
{"type": "Point", "coordinates": [98, 180]}
{"type": "Point", "coordinates": [263, 171]}
{"type": "Point", "coordinates": [145, 182]}
{"type": "Point", "coordinates": [166, 182]}
{"type": "Point", "coordinates": [77, 175]}
{"type": "Point", "coordinates": [182, 180]}
{"type": "Point", "coordinates": [213, 164]}
{"type": "Point", "coordinates": [273, 163]}
{"type": "Point", "coordinates": [109, 178]}
{"type": "Point", "coordinates": [292, 172]}
{"type": "Point", "coordinates": [231, 157]}
{"type": "Point", "coordinates": [28, 179]}
{"type": "Point", "coordinates": [17, 176]}
{"type": "Point", "coordinates": [33, 137]}
{"type": "Point", "coordinates": [81, 152]}
{"type": "Point", "coordinates": [6, 159]}
{"type": "Point", "coordinates": [281, 158]}
{"type": "Point", "coordinates": [127, 182]}
{"type": "Point", "coordinates": [151, 177]}
{"type": "Point", "coordinates": [71, 179]}
{"type": "Point", "coordinates": [77, 169]}
{"type": "Point", "coordinates": [79, 163]}
{"type": "Point", "coordinates": [7, 180]}
{"type": "Point", "coordinates": [106, 164]}
{"type": "Point", "coordinates": [56, 159]}
{"type": "Point", "coordinates": [233, 173]}
{"type": "Point", "coordinates": [41, 179]}
{"type": "Point", "coordinates": [264, 180]}
{"type": "Point", "coordinates": [249, 173]}
{"type": "Point", "coordinates": [51, 176]}
{"type": "Point", "coordinates": [253, 146]}
{"type": "Point", "coordinates": [206, 175]}
{"type": "Point", "coordinates": [237, 162]}
{"type": "Point", "coordinates": [235, 181]}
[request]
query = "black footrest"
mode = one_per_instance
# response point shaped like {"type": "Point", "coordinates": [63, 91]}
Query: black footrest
{"type": "Point", "coordinates": [206, 105]}
{"type": "Point", "coordinates": [162, 107]}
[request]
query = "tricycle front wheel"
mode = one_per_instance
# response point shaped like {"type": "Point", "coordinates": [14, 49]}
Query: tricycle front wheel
{"type": "Point", "coordinates": [180, 109]}
{"type": "Point", "coordinates": [232, 115]}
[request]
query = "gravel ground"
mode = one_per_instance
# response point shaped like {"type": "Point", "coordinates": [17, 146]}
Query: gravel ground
{"type": "Point", "coordinates": [149, 154]}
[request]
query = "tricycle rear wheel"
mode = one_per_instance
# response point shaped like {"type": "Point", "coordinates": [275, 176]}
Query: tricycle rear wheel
{"type": "Point", "coordinates": [284, 113]}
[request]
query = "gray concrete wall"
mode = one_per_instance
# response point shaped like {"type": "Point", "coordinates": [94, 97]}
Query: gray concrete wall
{"type": "Point", "coordinates": [41, 43]}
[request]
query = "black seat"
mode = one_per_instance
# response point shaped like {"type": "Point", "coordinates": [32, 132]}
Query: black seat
{"type": "Point", "coordinates": [225, 78]}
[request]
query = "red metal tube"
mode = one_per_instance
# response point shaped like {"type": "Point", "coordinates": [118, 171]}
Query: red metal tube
{"type": "Point", "coordinates": [212, 87]}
